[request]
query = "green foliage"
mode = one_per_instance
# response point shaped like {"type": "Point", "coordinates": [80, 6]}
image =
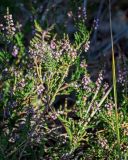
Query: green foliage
{"type": "Point", "coordinates": [82, 36]}
{"type": "Point", "coordinates": [50, 107]}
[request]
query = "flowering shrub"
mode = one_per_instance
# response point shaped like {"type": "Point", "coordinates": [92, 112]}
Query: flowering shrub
{"type": "Point", "coordinates": [50, 108]}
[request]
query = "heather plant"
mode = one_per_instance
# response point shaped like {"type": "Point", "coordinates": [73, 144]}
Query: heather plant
{"type": "Point", "coordinates": [50, 107]}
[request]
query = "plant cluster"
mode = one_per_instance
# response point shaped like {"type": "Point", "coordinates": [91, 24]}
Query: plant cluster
{"type": "Point", "coordinates": [50, 108]}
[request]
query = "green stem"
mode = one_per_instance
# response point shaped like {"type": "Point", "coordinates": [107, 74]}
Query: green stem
{"type": "Point", "coordinates": [114, 84]}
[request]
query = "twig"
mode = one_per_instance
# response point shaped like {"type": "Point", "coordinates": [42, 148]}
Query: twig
{"type": "Point", "coordinates": [101, 102]}
{"type": "Point", "coordinates": [89, 108]}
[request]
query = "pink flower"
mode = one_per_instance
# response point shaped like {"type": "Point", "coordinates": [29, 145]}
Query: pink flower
{"type": "Point", "coordinates": [53, 45]}
{"type": "Point", "coordinates": [15, 51]}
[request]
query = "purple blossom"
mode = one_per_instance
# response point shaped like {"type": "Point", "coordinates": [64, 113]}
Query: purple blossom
{"type": "Point", "coordinates": [2, 27]}
{"type": "Point", "coordinates": [40, 89]}
{"type": "Point", "coordinates": [53, 116]}
{"type": "Point", "coordinates": [5, 71]}
{"type": "Point", "coordinates": [87, 46]}
{"type": "Point", "coordinates": [85, 9]}
{"type": "Point", "coordinates": [73, 54]}
{"type": "Point", "coordinates": [12, 104]}
{"type": "Point", "coordinates": [84, 13]}
{"type": "Point", "coordinates": [53, 45]}
{"type": "Point", "coordinates": [15, 51]}
{"type": "Point", "coordinates": [83, 65]}
{"type": "Point", "coordinates": [96, 24]}
{"type": "Point", "coordinates": [105, 87]}
{"type": "Point", "coordinates": [22, 83]}
{"type": "Point", "coordinates": [86, 83]}
{"type": "Point", "coordinates": [99, 80]}
{"type": "Point", "coordinates": [10, 28]}
{"type": "Point", "coordinates": [122, 76]}
{"type": "Point", "coordinates": [109, 106]}
{"type": "Point", "coordinates": [56, 54]}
